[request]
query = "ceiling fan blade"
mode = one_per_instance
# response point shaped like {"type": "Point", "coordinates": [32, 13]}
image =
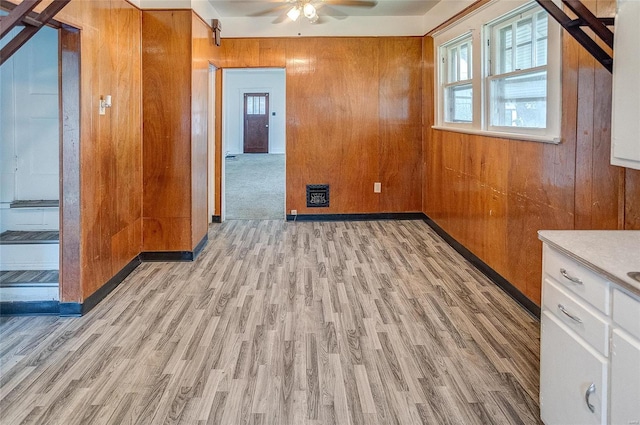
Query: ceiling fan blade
{"type": "Point", "coordinates": [280, 19]}
{"type": "Point", "coordinates": [270, 10]}
{"type": "Point", "coordinates": [356, 3]}
{"type": "Point", "coordinates": [332, 11]}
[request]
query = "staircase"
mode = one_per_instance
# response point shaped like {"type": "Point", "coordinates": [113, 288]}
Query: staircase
{"type": "Point", "coordinates": [29, 252]}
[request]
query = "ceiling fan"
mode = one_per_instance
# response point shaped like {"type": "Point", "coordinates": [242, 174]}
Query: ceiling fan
{"type": "Point", "coordinates": [294, 9]}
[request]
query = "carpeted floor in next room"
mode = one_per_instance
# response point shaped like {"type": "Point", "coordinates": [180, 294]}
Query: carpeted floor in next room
{"type": "Point", "coordinates": [254, 186]}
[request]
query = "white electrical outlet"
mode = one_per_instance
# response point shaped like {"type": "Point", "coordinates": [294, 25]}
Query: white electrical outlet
{"type": "Point", "coordinates": [294, 212]}
{"type": "Point", "coordinates": [377, 187]}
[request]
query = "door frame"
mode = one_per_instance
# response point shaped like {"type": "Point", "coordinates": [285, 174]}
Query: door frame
{"type": "Point", "coordinates": [211, 144]}
{"type": "Point", "coordinates": [224, 131]}
{"type": "Point", "coordinates": [245, 118]}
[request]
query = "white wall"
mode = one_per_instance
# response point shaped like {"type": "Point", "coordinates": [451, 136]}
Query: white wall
{"type": "Point", "coordinates": [237, 82]}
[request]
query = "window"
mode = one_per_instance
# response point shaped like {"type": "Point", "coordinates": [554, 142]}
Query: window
{"type": "Point", "coordinates": [499, 73]}
{"type": "Point", "coordinates": [518, 74]}
{"type": "Point", "coordinates": [458, 92]}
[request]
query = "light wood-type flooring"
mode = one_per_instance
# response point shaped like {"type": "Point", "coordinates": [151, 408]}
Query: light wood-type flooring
{"type": "Point", "coordinates": [284, 323]}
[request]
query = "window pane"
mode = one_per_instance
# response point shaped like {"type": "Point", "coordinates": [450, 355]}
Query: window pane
{"type": "Point", "coordinates": [541, 38]}
{"type": "Point", "coordinates": [249, 105]}
{"type": "Point", "coordinates": [458, 106]}
{"type": "Point", "coordinates": [453, 65]}
{"type": "Point", "coordinates": [523, 44]}
{"type": "Point", "coordinates": [263, 101]}
{"type": "Point", "coordinates": [506, 49]}
{"type": "Point", "coordinates": [464, 62]}
{"type": "Point", "coordinates": [520, 101]}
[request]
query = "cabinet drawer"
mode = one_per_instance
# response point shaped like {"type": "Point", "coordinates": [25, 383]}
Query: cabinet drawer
{"type": "Point", "coordinates": [579, 317]}
{"type": "Point", "coordinates": [577, 278]}
{"type": "Point", "coordinates": [626, 312]}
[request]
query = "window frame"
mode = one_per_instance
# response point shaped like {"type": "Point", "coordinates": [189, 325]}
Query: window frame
{"type": "Point", "coordinates": [445, 54]}
{"type": "Point", "coordinates": [479, 24]}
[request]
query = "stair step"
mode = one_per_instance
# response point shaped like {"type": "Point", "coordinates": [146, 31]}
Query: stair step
{"type": "Point", "coordinates": [20, 237]}
{"type": "Point", "coordinates": [29, 285]}
{"type": "Point", "coordinates": [29, 256]}
{"type": "Point", "coordinates": [41, 203]}
{"type": "Point", "coordinates": [29, 278]}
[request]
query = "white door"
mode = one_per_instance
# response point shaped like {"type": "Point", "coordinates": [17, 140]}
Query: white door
{"type": "Point", "coordinates": [35, 115]}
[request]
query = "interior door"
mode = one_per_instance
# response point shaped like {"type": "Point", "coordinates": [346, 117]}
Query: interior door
{"type": "Point", "coordinates": [256, 123]}
{"type": "Point", "coordinates": [36, 122]}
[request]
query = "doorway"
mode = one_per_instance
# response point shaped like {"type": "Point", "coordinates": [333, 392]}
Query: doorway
{"type": "Point", "coordinates": [253, 144]}
{"type": "Point", "coordinates": [30, 180]}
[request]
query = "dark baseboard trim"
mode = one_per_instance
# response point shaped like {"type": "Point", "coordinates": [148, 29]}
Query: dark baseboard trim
{"type": "Point", "coordinates": [198, 249]}
{"type": "Point", "coordinates": [41, 308]}
{"type": "Point", "coordinates": [29, 308]}
{"type": "Point", "coordinates": [169, 256]}
{"type": "Point", "coordinates": [356, 217]}
{"type": "Point", "coordinates": [495, 277]}
{"type": "Point", "coordinates": [174, 256]}
{"type": "Point", "coordinates": [216, 219]}
{"type": "Point", "coordinates": [80, 309]}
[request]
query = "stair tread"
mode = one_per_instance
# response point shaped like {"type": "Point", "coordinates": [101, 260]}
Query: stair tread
{"type": "Point", "coordinates": [11, 237]}
{"type": "Point", "coordinates": [37, 203]}
{"type": "Point", "coordinates": [32, 277]}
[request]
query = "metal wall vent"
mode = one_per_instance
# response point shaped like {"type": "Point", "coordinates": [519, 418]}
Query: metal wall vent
{"type": "Point", "coordinates": [317, 195]}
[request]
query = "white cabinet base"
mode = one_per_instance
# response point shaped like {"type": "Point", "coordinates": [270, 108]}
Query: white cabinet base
{"type": "Point", "coordinates": [567, 369]}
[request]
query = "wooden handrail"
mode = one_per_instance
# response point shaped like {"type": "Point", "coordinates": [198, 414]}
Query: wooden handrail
{"type": "Point", "coordinates": [22, 14]}
{"type": "Point", "coordinates": [573, 27]}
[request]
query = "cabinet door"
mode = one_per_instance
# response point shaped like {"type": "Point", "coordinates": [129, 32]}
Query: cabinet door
{"type": "Point", "coordinates": [568, 367]}
{"type": "Point", "coordinates": [625, 379]}
{"type": "Point", "coordinates": [625, 125]}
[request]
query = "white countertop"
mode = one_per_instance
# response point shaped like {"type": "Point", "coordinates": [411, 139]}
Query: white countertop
{"type": "Point", "coordinates": [612, 253]}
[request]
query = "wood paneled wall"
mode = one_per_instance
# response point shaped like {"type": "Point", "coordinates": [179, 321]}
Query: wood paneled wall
{"type": "Point", "coordinates": [110, 145]}
{"type": "Point", "coordinates": [353, 117]}
{"type": "Point", "coordinates": [493, 195]}
{"type": "Point", "coordinates": [176, 49]}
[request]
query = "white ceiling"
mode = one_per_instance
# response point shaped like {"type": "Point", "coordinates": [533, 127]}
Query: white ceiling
{"type": "Point", "coordinates": [387, 18]}
{"type": "Point", "coordinates": [242, 8]}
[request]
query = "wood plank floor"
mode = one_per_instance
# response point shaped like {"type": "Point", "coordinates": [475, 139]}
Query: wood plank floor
{"type": "Point", "coordinates": [284, 323]}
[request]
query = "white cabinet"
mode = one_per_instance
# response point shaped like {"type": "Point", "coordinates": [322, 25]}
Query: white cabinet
{"type": "Point", "coordinates": [625, 125]}
{"type": "Point", "coordinates": [625, 379]}
{"type": "Point", "coordinates": [590, 346]}
{"type": "Point", "coordinates": [574, 377]}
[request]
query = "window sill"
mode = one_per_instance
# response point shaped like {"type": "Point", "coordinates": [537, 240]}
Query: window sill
{"type": "Point", "coordinates": [555, 140]}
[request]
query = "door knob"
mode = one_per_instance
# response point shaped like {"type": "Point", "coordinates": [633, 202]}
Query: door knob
{"type": "Point", "coordinates": [267, 125]}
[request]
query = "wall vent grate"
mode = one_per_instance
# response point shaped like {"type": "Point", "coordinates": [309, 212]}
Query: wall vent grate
{"type": "Point", "coordinates": [317, 195]}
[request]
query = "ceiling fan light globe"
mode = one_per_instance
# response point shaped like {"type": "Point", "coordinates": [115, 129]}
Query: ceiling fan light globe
{"type": "Point", "coordinates": [309, 11]}
{"type": "Point", "coordinates": [294, 13]}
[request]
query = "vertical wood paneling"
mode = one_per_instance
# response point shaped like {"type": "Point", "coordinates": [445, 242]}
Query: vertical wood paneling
{"type": "Point", "coordinates": [493, 195]}
{"type": "Point", "coordinates": [353, 117]}
{"type": "Point", "coordinates": [632, 197]}
{"type": "Point", "coordinates": [109, 196]}
{"type": "Point", "coordinates": [400, 124]}
{"type": "Point", "coordinates": [202, 47]}
{"type": "Point", "coordinates": [166, 59]}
